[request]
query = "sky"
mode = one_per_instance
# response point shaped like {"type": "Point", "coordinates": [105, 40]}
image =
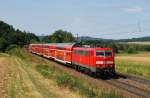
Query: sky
{"type": "Point", "coordinates": [110, 19]}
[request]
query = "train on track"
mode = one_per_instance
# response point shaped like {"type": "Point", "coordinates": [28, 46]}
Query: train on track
{"type": "Point", "coordinates": [94, 60]}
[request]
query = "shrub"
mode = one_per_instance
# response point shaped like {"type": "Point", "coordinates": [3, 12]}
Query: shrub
{"type": "Point", "coordinates": [67, 80]}
{"type": "Point", "coordinates": [72, 82]}
{"type": "Point", "coordinates": [44, 70]}
{"type": "Point", "coordinates": [110, 95]}
{"type": "Point", "coordinates": [19, 52]}
{"type": "Point", "coordinates": [13, 46]}
{"type": "Point", "coordinates": [131, 50]}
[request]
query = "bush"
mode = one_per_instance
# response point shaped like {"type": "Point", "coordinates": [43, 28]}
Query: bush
{"type": "Point", "coordinates": [74, 83]}
{"type": "Point", "coordinates": [3, 44]}
{"type": "Point", "coordinates": [110, 95]}
{"type": "Point", "coordinates": [45, 70]}
{"type": "Point", "coordinates": [13, 46]}
{"type": "Point", "coordinates": [131, 50]}
{"type": "Point", "coordinates": [147, 48]}
{"type": "Point", "coordinates": [19, 52]}
{"type": "Point", "coordinates": [67, 80]}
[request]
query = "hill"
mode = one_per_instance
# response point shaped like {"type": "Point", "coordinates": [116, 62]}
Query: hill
{"type": "Point", "coordinates": [140, 39]}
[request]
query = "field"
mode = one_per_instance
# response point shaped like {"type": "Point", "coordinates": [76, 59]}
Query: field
{"type": "Point", "coordinates": [140, 43]}
{"type": "Point", "coordinates": [26, 76]}
{"type": "Point", "coordinates": [137, 64]}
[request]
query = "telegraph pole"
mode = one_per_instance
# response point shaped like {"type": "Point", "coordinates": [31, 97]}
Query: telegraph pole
{"type": "Point", "coordinates": [77, 37]}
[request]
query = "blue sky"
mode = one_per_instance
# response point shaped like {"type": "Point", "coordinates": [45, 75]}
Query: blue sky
{"type": "Point", "coordinates": [96, 18]}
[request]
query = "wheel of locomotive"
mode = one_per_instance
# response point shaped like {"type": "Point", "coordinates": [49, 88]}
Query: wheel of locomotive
{"type": "Point", "coordinates": [86, 71]}
{"type": "Point", "coordinates": [92, 74]}
{"type": "Point", "coordinates": [76, 67]}
{"type": "Point", "coordinates": [113, 74]}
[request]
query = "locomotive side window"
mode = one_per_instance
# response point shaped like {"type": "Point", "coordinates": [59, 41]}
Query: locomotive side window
{"type": "Point", "coordinates": [84, 52]}
{"type": "Point", "coordinates": [103, 53]}
{"type": "Point", "coordinates": [100, 53]}
{"type": "Point", "coordinates": [75, 51]}
{"type": "Point", "coordinates": [81, 52]}
{"type": "Point", "coordinates": [108, 53]}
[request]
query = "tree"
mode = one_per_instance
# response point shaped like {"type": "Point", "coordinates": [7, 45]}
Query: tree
{"type": "Point", "coordinates": [61, 36]}
{"type": "Point", "coordinates": [30, 38]}
{"type": "Point", "coordinates": [3, 44]}
{"type": "Point", "coordinates": [10, 36]}
{"type": "Point", "coordinates": [46, 39]}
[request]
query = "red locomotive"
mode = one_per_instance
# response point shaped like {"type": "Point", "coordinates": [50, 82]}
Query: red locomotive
{"type": "Point", "coordinates": [94, 60]}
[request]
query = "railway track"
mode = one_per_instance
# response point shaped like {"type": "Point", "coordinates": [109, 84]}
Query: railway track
{"type": "Point", "coordinates": [135, 85]}
{"type": "Point", "coordinates": [134, 78]}
{"type": "Point", "coordinates": [139, 91]}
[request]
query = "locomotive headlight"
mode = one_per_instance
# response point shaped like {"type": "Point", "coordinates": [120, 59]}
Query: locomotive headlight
{"type": "Point", "coordinates": [104, 62]}
{"type": "Point", "coordinates": [109, 62]}
{"type": "Point", "coordinates": [100, 62]}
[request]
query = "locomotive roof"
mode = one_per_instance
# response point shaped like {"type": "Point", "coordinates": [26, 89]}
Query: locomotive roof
{"type": "Point", "coordinates": [65, 44]}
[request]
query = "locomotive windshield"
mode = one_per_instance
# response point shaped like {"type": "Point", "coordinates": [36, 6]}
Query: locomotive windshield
{"type": "Point", "coordinates": [103, 53]}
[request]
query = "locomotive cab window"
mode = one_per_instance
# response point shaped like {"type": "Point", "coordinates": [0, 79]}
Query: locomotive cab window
{"type": "Point", "coordinates": [104, 53]}
{"type": "Point", "coordinates": [100, 53]}
{"type": "Point", "coordinates": [108, 53]}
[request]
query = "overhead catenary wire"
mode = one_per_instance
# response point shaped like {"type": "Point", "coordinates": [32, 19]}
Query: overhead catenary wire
{"type": "Point", "coordinates": [138, 31]}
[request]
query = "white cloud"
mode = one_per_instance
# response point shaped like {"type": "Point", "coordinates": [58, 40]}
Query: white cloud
{"type": "Point", "coordinates": [134, 9]}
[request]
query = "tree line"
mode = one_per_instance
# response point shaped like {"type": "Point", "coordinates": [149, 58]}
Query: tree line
{"type": "Point", "coordinates": [11, 37]}
{"type": "Point", "coordinates": [117, 46]}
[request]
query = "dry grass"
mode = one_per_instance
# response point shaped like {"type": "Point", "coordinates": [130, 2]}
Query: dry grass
{"type": "Point", "coordinates": [138, 64]}
{"type": "Point", "coordinates": [21, 80]}
{"type": "Point", "coordinates": [136, 60]}
{"type": "Point", "coordinates": [46, 87]}
{"type": "Point", "coordinates": [7, 75]}
{"type": "Point", "coordinates": [140, 43]}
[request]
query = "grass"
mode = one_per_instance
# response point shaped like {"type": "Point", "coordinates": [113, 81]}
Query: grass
{"type": "Point", "coordinates": [137, 64]}
{"type": "Point", "coordinates": [4, 55]}
{"type": "Point", "coordinates": [28, 83]}
{"type": "Point", "coordinates": [74, 83]}
{"type": "Point", "coordinates": [65, 80]}
{"type": "Point", "coordinates": [110, 95]}
{"type": "Point", "coordinates": [36, 86]}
